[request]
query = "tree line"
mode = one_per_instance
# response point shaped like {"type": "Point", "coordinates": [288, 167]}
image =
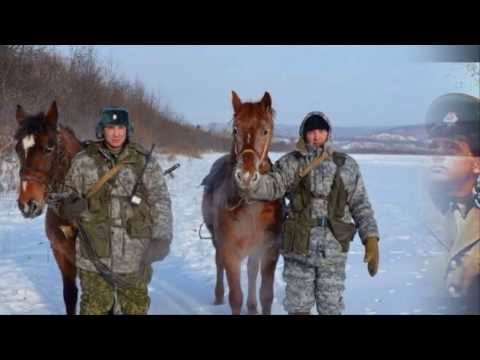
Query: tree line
{"type": "Point", "coordinates": [34, 76]}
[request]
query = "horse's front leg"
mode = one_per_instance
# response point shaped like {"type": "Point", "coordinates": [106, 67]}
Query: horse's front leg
{"type": "Point", "coordinates": [269, 264]}
{"type": "Point", "coordinates": [62, 239]}
{"type": "Point", "coordinates": [232, 266]}
{"type": "Point", "coordinates": [219, 286]}
{"type": "Point", "coordinates": [252, 267]}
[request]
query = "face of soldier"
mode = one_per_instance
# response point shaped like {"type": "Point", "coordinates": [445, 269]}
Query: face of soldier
{"type": "Point", "coordinates": [317, 137]}
{"type": "Point", "coordinates": [453, 165]}
{"type": "Point", "coordinates": [115, 135]}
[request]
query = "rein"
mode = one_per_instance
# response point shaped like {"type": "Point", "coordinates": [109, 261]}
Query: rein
{"type": "Point", "coordinates": [42, 178]}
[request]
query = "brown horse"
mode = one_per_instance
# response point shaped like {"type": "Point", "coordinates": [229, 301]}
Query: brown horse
{"type": "Point", "coordinates": [242, 228]}
{"type": "Point", "coordinates": [45, 151]}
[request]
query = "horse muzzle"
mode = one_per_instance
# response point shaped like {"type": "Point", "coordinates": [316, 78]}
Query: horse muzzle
{"type": "Point", "coordinates": [246, 179]}
{"type": "Point", "coordinates": [31, 209]}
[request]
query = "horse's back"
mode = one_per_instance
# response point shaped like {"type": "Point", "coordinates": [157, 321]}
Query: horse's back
{"type": "Point", "coordinates": [217, 174]}
{"type": "Point", "coordinates": [211, 183]}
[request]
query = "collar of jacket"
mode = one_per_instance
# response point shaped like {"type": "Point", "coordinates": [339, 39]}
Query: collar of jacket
{"type": "Point", "coordinates": [464, 205]}
{"type": "Point", "coordinates": [306, 149]}
{"type": "Point", "coordinates": [124, 155]}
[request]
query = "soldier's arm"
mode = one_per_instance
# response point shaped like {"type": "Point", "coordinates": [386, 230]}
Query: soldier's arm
{"type": "Point", "coordinates": [276, 183]}
{"type": "Point", "coordinates": [73, 184]}
{"type": "Point", "coordinates": [359, 204]}
{"type": "Point", "coordinates": [73, 204]}
{"type": "Point", "coordinates": [159, 200]}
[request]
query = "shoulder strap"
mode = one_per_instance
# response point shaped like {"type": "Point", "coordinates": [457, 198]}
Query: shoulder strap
{"type": "Point", "coordinates": [337, 198]}
{"type": "Point", "coordinates": [313, 163]}
{"type": "Point", "coordinates": [108, 175]}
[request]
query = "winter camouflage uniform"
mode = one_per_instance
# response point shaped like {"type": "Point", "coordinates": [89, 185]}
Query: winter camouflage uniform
{"type": "Point", "coordinates": [120, 234]}
{"type": "Point", "coordinates": [318, 275]}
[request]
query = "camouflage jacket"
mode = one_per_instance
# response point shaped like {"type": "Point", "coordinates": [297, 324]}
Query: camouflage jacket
{"type": "Point", "coordinates": [279, 182]}
{"type": "Point", "coordinates": [120, 232]}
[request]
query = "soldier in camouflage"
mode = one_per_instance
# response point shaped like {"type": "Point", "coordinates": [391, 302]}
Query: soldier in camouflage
{"type": "Point", "coordinates": [121, 235]}
{"type": "Point", "coordinates": [327, 202]}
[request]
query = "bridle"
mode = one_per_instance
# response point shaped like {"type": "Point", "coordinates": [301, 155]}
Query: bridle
{"type": "Point", "coordinates": [41, 177]}
{"type": "Point", "coordinates": [253, 151]}
{"type": "Point", "coordinates": [262, 159]}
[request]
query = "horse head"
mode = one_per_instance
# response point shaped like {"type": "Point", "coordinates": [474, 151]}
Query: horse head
{"type": "Point", "coordinates": [252, 135]}
{"type": "Point", "coordinates": [37, 150]}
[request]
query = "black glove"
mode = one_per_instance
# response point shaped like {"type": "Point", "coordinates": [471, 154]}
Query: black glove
{"type": "Point", "coordinates": [72, 207]}
{"type": "Point", "coordinates": [157, 251]}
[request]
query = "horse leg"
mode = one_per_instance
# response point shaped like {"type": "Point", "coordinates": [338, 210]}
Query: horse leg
{"type": "Point", "coordinates": [62, 239]}
{"type": "Point", "coordinates": [219, 287]}
{"type": "Point", "coordinates": [232, 267]}
{"type": "Point", "coordinates": [66, 262]}
{"type": "Point", "coordinates": [269, 263]}
{"type": "Point", "coordinates": [252, 266]}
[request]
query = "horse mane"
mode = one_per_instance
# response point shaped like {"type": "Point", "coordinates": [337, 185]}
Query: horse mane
{"type": "Point", "coordinates": [70, 132]}
{"type": "Point", "coordinates": [68, 143]}
{"type": "Point", "coordinates": [220, 169]}
{"type": "Point", "coordinates": [31, 125]}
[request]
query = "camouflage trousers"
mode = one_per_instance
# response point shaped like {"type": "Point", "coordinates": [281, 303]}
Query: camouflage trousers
{"type": "Point", "coordinates": [98, 296]}
{"type": "Point", "coordinates": [308, 285]}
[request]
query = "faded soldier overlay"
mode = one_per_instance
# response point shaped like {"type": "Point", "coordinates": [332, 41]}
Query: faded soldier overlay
{"type": "Point", "coordinates": [453, 125]}
{"type": "Point", "coordinates": [376, 97]}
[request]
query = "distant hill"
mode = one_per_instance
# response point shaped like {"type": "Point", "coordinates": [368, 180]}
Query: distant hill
{"type": "Point", "coordinates": [375, 139]}
{"type": "Point", "coordinates": [409, 132]}
{"type": "Point", "coordinates": [339, 133]}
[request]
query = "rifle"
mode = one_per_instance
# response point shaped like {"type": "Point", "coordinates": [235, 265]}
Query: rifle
{"type": "Point", "coordinates": [134, 199]}
{"type": "Point", "coordinates": [55, 198]}
{"type": "Point", "coordinates": [171, 169]}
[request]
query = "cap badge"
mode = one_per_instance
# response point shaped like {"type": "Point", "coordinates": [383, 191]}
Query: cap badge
{"type": "Point", "coordinates": [450, 119]}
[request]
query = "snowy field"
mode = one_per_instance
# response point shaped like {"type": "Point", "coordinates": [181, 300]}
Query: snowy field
{"type": "Point", "coordinates": [30, 281]}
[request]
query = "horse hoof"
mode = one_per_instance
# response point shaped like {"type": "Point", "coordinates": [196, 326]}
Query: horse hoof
{"type": "Point", "coordinates": [219, 302]}
{"type": "Point", "coordinates": [252, 312]}
{"type": "Point", "coordinates": [267, 310]}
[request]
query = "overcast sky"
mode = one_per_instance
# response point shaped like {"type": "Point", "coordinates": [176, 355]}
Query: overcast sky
{"type": "Point", "coordinates": [354, 85]}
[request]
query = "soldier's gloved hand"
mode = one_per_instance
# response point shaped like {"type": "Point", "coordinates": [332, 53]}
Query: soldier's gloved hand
{"type": "Point", "coordinates": [157, 251]}
{"type": "Point", "coordinates": [372, 255]}
{"type": "Point", "coordinates": [72, 207]}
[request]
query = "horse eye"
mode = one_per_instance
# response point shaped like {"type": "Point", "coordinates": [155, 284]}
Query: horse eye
{"type": "Point", "coordinates": [235, 131]}
{"type": "Point", "coordinates": [49, 149]}
{"type": "Point", "coordinates": [265, 132]}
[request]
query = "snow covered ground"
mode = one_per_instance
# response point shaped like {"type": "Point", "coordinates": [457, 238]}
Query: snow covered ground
{"type": "Point", "coordinates": [30, 281]}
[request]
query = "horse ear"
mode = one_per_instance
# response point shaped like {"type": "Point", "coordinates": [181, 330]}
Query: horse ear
{"type": "Point", "coordinates": [267, 102]}
{"type": "Point", "coordinates": [20, 115]}
{"type": "Point", "coordinates": [52, 115]}
{"type": "Point", "coordinates": [236, 102]}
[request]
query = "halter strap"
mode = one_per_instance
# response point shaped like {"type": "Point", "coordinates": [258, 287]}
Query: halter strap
{"type": "Point", "coordinates": [44, 178]}
{"type": "Point", "coordinates": [264, 151]}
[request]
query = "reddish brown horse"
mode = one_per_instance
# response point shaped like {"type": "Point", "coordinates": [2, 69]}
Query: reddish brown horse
{"type": "Point", "coordinates": [242, 228]}
{"type": "Point", "coordinates": [45, 151]}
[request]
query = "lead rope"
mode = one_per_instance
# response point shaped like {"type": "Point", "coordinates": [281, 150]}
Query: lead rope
{"type": "Point", "coordinates": [117, 309]}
